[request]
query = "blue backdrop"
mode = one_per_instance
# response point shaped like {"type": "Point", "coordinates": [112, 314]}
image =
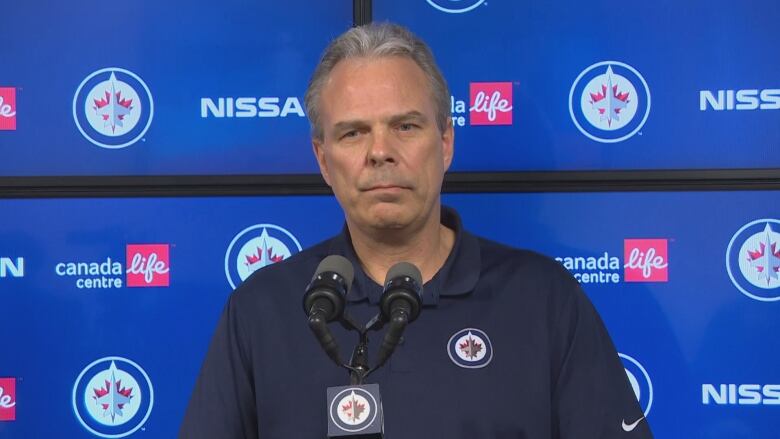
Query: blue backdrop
{"type": "Point", "coordinates": [702, 333]}
{"type": "Point", "coordinates": [217, 87]}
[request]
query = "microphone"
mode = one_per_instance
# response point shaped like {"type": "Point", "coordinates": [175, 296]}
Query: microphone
{"type": "Point", "coordinates": [399, 305]}
{"type": "Point", "coordinates": [324, 300]}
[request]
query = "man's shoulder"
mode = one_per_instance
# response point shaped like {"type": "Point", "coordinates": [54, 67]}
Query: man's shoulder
{"type": "Point", "coordinates": [518, 274]}
{"type": "Point", "coordinates": [497, 254]}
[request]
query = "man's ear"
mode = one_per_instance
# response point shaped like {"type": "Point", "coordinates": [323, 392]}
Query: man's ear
{"type": "Point", "coordinates": [319, 154]}
{"type": "Point", "coordinates": [448, 144]}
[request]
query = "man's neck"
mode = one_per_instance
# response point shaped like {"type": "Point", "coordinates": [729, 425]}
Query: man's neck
{"type": "Point", "coordinates": [427, 248]}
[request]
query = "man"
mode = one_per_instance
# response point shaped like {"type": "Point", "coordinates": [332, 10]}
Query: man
{"type": "Point", "coordinates": [507, 345]}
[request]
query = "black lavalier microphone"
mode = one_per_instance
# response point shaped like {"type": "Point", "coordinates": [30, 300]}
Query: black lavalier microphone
{"type": "Point", "coordinates": [324, 300]}
{"type": "Point", "coordinates": [399, 305]}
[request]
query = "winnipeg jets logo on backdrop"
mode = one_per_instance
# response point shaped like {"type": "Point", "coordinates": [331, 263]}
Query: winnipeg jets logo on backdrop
{"type": "Point", "coordinates": [470, 348]}
{"type": "Point", "coordinates": [640, 382]}
{"type": "Point", "coordinates": [455, 6]}
{"type": "Point", "coordinates": [609, 101]}
{"type": "Point", "coordinates": [113, 397]}
{"type": "Point", "coordinates": [753, 259]}
{"type": "Point", "coordinates": [113, 108]}
{"type": "Point", "coordinates": [256, 247]}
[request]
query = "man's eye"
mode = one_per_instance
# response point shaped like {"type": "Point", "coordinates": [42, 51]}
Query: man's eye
{"type": "Point", "coordinates": [406, 126]}
{"type": "Point", "coordinates": [350, 134]}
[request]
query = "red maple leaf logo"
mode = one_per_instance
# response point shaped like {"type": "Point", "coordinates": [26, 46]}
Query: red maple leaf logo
{"type": "Point", "coordinates": [107, 100]}
{"type": "Point", "coordinates": [272, 257]}
{"type": "Point", "coordinates": [595, 97]}
{"type": "Point", "coordinates": [104, 391]}
{"type": "Point", "coordinates": [258, 256]}
{"type": "Point", "coordinates": [757, 254]}
{"type": "Point", "coordinates": [470, 348]}
{"type": "Point", "coordinates": [254, 258]}
{"type": "Point", "coordinates": [358, 410]}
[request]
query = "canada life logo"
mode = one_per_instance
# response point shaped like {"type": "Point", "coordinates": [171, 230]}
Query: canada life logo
{"type": "Point", "coordinates": [753, 259]}
{"type": "Point", "coordinates": [7, 399]}
{"type": "Point", "coordinates": [112, 397]}
{"type": "Point", "coordinates": [7, 108]}
{"type": "Point", "coordinates": [256, 247]}
{"type": "Point", "coordinates": [455, 6]}
{"type": "Point", "coordinates": [113, 108]}
{"type": "Point", "coordinates": [609, 102]}
{"type": "Point", "coordinates": [148, 265]}
{"type": "Point", "coordinates": [490, 103]}
{"type": "Point", "coordinates": [646, 260]}
{"type": "Point", "coordinates": [640, 382]}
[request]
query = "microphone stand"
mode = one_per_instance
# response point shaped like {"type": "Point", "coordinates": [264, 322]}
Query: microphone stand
{"type": "Point", "coordinates": [357, 395]}
{"type": "Point", "coordinates": [358, 363]}
{"type": "Point", "coordinates": [359, 369]}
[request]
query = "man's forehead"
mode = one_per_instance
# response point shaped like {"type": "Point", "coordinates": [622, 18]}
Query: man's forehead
{"type": "Point", "coordinates": [358, 72]}
{"type": "Point", "coordinates": [391, 85]}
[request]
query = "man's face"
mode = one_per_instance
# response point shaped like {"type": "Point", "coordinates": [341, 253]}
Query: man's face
{"type": "Point", "coordinates": [382, 152]}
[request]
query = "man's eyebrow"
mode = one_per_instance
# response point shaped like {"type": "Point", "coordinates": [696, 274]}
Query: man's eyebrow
{"type": "Point", "coordinates": [346, 125]}
{"type": "Point", "coordinates": [409, 115]}
{"type": "Point", "coordinates": [349, 124]}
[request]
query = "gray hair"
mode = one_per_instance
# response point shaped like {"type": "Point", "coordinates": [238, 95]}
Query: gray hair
{"type": "Point", "coordinates": [377, 40]}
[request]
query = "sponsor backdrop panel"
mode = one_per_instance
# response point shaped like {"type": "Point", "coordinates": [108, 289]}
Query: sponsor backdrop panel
{"type": "Point", "coordinates": [174, 87]}
{"type": "Point", "coordinates": [113, 304]}
{"type": "Point", "coordinates": [535, 85]}
{"type": "Point", "coordinates": [126, 280]}
{"type": "Point", "coordinates": [601, 85]}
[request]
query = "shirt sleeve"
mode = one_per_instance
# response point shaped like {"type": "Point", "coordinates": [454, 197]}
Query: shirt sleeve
{"type": "Point", "coordinates": [222, 404]}
{"type": "Point", "coordinates": [592, 397]}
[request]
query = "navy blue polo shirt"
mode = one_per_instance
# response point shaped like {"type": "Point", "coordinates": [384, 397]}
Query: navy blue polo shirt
{"type": "Point", "coordinates": [507, 346]}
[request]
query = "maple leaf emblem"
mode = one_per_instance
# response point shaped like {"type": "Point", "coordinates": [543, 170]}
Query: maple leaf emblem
{"type": "Point", "coordinates": [263, 255]}
{"type": "Point", "coordinates": [127, 103]}
{"type": "Point", "coordinates": [103, 391]}
{"type": "Point", "coordinates": [470, 347]}
{"type": "Point", "coordinates": [596, 97]}
{"type": "Point", "coordinates": [609, 101]}
{"type": "Point", "coordinates": [112, 107]}
{"type": "Point", "coordinates": [112, 397]}
{"type": "Point", "coordinates": [256, 257]}
{"type": "Point", "coordinates": [353, 409]}
{"type": "Point", "coordinates": [766, 259]}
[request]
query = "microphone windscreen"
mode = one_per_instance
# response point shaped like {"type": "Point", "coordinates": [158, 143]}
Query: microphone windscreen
{"type": "Point", "coordinates": [404, 269]}
{"type": "Point", "coordinates": [337, 264]}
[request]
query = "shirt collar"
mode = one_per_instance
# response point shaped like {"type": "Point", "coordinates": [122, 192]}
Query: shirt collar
{"type": "Point", "coordinates": [458, 275]}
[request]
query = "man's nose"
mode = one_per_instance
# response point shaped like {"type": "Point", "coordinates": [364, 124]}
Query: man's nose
{"type": "Point", "coordinates": [381, 149]}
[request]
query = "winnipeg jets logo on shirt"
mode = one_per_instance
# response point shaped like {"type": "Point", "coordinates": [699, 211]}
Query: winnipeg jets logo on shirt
{"type": "Point", "coordinates": [113, 397]}
{"type": "Point", "coordinates": [753, 260]}
{"type": "Point", "coordinates": [470, 348]}
{"type": "Point", "coordinates": [353, 409]}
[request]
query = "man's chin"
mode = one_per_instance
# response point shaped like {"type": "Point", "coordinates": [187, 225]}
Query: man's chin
{"type": "Point", "coordinates": [390, 216]}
